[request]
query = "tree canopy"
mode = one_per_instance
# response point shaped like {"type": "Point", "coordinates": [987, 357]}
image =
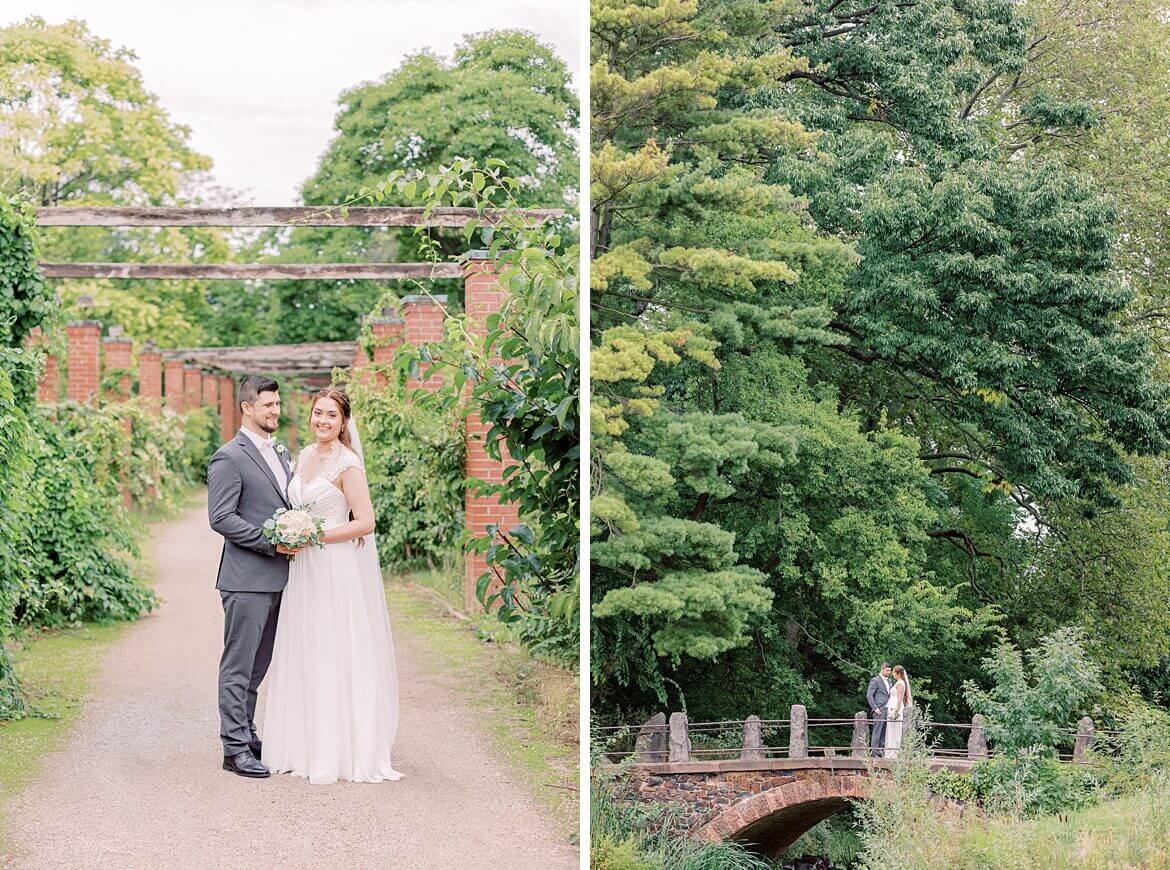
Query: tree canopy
{"type": "Point", "coordinates": [864, 371]}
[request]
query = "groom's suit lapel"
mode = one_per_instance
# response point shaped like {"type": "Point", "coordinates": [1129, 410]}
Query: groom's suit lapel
{"type": "Point", "coordinates": [254, 455]}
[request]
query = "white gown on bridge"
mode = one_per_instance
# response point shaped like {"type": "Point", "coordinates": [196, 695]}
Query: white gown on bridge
{"type": "Point", "coordinates": [332, 708]}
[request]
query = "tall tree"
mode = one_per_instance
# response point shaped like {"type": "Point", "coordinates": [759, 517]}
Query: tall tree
{"type": "Point", "coordinates": [80, 127]}
{"type": "Point", "coordinates": [850, 344]}
{"type": "Point", "coordinates": [502, 95]}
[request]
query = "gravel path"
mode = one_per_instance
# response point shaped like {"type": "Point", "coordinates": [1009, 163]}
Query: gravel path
{"type": "Point", "coordinates": [138, 784]}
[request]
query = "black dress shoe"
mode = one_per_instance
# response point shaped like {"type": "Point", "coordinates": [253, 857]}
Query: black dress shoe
{"type": "Point", "coordinates": [243, 764]}
{"type": "Point", "coordinates": [255, 749]}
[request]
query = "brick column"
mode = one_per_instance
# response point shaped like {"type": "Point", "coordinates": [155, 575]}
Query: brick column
{"type": "Point", "coordinates": [424, 322]}
{"type": "Point", "coordinates": [360, 360]}
{"type": "Point", "coordinates": [388, 332]}
{"type": "Point", "coordinates": [83, 360]}
{"type": "Point", "coordinates": [210, 390]}
{"type": "Point", "coordinates": [119, 355]}
{"type": "Point", "coordinates": [192, 387]}
{"type": "Point", "coordinates": [48, 390]}
{"type": "Point", "coordinates": [150, 377]}
{"type": "Point", "coordinates": [119, 351]}
{"type": "Point", "coordinates": [173, 383]}
{"type": "Point", "coordinates": [483, 296]}
{"type": "Point", "coordinates": [227, 401]}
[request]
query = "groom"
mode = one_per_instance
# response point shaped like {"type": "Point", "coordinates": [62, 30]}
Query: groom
{"type": "Point", "coordinates": [876, 697]}
{"type": "Point", "coordinates": [246, 482]}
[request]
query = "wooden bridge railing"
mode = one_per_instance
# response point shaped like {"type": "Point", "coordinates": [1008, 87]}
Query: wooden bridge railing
{"type": "Point", "coordinates": [660, 741]}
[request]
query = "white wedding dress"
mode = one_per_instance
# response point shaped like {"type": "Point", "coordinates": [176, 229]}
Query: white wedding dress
{"type": "Point", "coordinates": [332, 708]}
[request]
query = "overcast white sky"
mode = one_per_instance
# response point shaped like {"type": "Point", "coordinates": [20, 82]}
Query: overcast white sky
{"type": "Point", "coordinates": [257, 80]}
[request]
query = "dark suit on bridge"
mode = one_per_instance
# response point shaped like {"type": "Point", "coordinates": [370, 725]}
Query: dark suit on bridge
{"type": "Point", "coordinates": [875, 699]}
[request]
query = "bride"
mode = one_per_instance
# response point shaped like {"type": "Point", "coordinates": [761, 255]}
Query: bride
{"type": "Point", "coordinates": [332, 708]}
{"type": "Point", "coordinates": [900, 699]}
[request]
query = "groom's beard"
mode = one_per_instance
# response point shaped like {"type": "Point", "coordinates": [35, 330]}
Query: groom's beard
{"type": "Point", "coordinates": [269, 427]}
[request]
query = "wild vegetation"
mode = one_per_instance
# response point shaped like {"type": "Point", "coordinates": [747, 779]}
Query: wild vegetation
{"type": "Point", "coordinates": [878, 357]}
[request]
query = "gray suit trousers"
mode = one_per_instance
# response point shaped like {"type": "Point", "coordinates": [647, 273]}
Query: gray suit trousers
{"type": "Point", "coordinates": [249, 629]}
{"type": "Point", "coordinates": [877, 742]}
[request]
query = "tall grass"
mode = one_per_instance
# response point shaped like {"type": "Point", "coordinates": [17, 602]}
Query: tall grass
{"type": "Point", "coordinates": [627, 836]}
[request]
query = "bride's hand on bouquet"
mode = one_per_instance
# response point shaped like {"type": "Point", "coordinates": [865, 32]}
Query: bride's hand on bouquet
{"type": "Point", "coordinates": [281, 548]}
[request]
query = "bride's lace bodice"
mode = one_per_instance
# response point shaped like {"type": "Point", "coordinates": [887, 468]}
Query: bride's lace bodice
{"type": "Point", "coordinates": [320, 494]}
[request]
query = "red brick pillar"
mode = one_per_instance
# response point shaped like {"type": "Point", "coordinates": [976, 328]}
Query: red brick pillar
{"type": "Point", "coordinates": [173, 382]}
{"type": "Point", "coordinates": [482, 298]}
{"type": "Point", "coordinates": [150, 377]}
{"type": "Point", "coordinates": [119, 352]}
{"type": "Point", "coordinates": [83, 360]}
{"type": "Point", "coordinates": [192, 387]}
{"type": "Point", "coordinates": [210, 390]}
{"type": "Point", "coordinates": [424, 322]}
{"type": "Point", "coordinates": [48, 390]}
{"type": "Point", "coordinates": [119, 356]}
{"type": "Point", "coordinates": [360, 359]}
{"type": "Point", "coordinates": [227, 403]}
{"type": "Point", "coordinates": [388, 332]}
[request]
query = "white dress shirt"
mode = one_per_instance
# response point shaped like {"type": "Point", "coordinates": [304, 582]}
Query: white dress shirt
{"type": "Point", "coordinates": [267, 448]}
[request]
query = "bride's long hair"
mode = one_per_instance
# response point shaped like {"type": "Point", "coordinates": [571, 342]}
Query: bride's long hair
{"type": "Point", "coordinates": [900, 673]}
{"type": "Point", "coordinates": [342, 401]}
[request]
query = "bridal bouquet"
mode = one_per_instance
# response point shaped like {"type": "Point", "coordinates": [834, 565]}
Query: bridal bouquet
{"type": "Point", "coordinates": [295, 528]}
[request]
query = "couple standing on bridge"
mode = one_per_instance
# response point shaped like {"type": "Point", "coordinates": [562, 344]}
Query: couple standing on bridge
{"type": "Point", "coordinates": [317, 614]}
{"type": "Point", "coordinates": [887, 702]}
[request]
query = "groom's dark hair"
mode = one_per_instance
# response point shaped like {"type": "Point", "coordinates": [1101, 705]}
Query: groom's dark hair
{"type": "Point", "coordinates": [251, 388]}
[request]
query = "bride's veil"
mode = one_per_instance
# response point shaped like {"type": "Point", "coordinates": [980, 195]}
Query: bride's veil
{"type": "Point", "coordinates": [370, 571]}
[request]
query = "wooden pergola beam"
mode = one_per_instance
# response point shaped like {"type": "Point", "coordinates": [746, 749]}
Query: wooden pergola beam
{"type": "Point", "coordinates": [312, 358]}
{"type": "Point", "coordinates": [256, 216]}
{"type": "Point", "coordinates": [253, 271]}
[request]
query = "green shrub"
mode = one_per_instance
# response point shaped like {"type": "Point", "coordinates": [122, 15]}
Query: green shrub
{"type": "Point", "coordinates": [74, 540]}
{"type": "Point", "coordinates": [1031, 784]}
{"type": "Point", "coordinates": [414, 465]}
{"type": "Point", "coordinates": [1036, 694]}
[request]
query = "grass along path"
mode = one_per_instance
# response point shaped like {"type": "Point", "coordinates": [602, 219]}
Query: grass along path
{"type": "Point", "coordinates": [56, 669]}
{"type": "Point", "coordinates": [528, 707]}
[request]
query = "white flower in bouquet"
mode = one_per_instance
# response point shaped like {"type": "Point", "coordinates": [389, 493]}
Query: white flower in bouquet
{"type": "Point", "coordinates": [295, 528]}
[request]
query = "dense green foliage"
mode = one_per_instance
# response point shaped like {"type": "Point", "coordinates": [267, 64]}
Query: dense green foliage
{"type": "Point", "coordinates": [869, 378]}
{"type": "Point", "coordinates": [518, 373]}
{"type": "Point", "coordinates": [414, 465]}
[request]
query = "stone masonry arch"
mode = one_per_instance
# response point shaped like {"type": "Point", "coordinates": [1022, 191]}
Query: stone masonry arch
{"type": "Point", "coordinates": [785, 808]}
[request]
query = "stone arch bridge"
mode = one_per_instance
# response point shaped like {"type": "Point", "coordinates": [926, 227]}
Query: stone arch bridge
{"type": "Point", "coordinates": [767, 796]}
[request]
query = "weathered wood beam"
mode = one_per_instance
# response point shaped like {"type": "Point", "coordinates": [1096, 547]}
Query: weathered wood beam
{"type": "Point", "coordinates": [305, 359]}
{"type": "Point", "coordinates": [253, 216]}
{"type": "Point", "coordinates": [252, 271]}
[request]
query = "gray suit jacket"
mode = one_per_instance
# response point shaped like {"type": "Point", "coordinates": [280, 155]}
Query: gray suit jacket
{"type": "Point", "coordinates": [241, 495]}
{"type": "Point", "coordinates": [877, 695]}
